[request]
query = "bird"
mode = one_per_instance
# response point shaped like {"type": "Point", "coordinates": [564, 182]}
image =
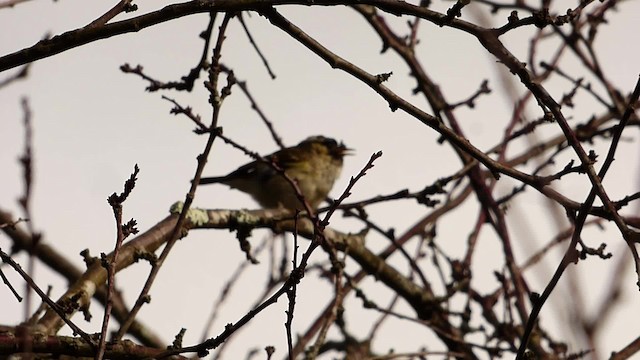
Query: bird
{"type": "Point", "coordinates": [315, 164]}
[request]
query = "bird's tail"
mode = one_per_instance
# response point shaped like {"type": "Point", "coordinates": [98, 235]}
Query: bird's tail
{"type": "Point", "coordinates": [213, 180]}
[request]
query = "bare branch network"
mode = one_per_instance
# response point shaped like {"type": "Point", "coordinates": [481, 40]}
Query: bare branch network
{"type": "Point", "coordinates": [505, 216]}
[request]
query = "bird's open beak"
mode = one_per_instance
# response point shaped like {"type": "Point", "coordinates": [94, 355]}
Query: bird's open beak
{"type": "Point", "coordinates": [344, 151]}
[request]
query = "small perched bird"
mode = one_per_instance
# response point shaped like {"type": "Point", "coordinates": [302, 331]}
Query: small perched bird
{"type": "Point", "coordinates": [314, 164]}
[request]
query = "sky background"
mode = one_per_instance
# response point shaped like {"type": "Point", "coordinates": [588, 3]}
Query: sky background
{"type": "Point", "coordinates": [92, 123]}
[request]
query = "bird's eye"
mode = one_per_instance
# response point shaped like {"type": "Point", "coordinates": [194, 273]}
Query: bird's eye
{"type": "Point", "coordinates": [330, 143]}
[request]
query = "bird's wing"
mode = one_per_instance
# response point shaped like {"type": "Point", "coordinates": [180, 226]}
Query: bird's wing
{"type": "Point", "coordinates": [290, 160]}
